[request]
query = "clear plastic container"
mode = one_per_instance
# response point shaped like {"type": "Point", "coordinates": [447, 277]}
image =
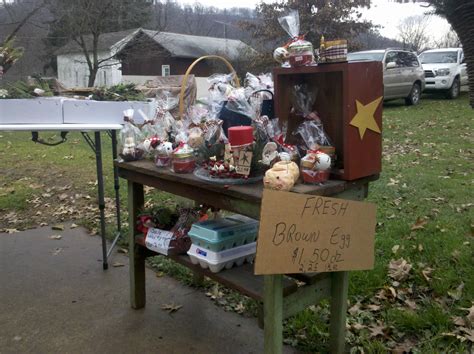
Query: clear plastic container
{"type": "Point", "coordinates": [162, 160]}
{"type": "Point", "coordinates": [183, 163]}
{"type": "Point", "coordinates": [301, 53]}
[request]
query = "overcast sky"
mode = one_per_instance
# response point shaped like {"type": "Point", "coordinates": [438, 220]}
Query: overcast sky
{"type": "Point", "coordinates": [385, 13]}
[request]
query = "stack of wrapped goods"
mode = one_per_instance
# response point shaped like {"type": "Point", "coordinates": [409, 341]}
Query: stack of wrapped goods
{"type": "Point", "coordinates": [223, 243]}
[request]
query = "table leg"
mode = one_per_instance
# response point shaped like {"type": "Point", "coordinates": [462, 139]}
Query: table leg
{"type": "Point", "coordinates": [100, 187]}
{"type": "Point", "coordinates": [337, 331]}
{"type": "Point", "coordinates": [136, 254]}
{"type": "Point", "coordinates": [113, 135]}
{"type": "Point", "coordinates": [273, 313]}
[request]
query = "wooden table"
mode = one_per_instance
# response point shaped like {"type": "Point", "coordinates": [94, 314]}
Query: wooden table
{"type": "Point", "coordinates": [279, 296]}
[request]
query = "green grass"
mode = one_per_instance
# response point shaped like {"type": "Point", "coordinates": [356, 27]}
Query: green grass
{"type": "Point", "coordinates": [427, 173]}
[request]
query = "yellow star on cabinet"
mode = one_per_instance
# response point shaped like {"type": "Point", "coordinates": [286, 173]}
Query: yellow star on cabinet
{"type": "Point", "coordinates": [364, 119]}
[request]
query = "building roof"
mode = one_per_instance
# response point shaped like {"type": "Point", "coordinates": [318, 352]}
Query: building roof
{"type": "Point", "coordinates": [178, 45]}
{"type": "Point", "coordinates": [106, 41]}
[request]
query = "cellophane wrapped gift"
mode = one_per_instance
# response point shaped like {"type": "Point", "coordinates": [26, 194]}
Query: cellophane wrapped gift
{"type": "Point", "coordinates": [129, 139]}
{"type": "Point", "coordinates": [166, 102]}
{"type": "Point", "coordinates": [150, 136]}
{"type": "Point", "coordinates": [300, 51]}
{"type": "Point", "coordinates": [181, 242]}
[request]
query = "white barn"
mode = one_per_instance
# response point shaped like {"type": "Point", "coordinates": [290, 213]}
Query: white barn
{"type": "Point", "coordinates": [138, 54]}
{"type": "Point", "coordinates": [72, 66]}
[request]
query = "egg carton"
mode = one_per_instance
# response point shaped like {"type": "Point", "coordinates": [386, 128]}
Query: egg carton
{"type": "Point", "coordinates": [226, 233]}
{"type": "Point", "coordinates": [217, 261]}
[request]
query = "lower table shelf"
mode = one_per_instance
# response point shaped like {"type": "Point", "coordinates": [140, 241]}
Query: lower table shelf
{"type": "Point", "coordinates": [241, 279]}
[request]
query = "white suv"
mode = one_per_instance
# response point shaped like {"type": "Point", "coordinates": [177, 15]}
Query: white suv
{"type": "Point", "coordinates": [445, 70]}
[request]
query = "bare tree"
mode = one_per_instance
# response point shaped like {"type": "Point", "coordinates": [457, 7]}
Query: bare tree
{"type": "Point", "coordinates": [413, 32]}
{"type": "Point", "coordinates": [85, 21]}
{"type": "Point", "coordinates": [449, 40]}
{"type": "Point", "coordinates": [17, 18]}
{"type": "Point", "coordinates": [18, 23]}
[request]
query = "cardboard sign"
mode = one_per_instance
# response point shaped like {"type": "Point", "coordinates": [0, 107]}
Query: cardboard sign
{"type": "Point", "coordinates": [158, 240]}
{"type": "Point", "coordinates": [301, 233]}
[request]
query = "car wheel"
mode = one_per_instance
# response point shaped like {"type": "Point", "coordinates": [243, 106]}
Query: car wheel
{"type": "Point", "coordinates": [414, 96]}
{"type": "Point", "coordinates": [453, 92]}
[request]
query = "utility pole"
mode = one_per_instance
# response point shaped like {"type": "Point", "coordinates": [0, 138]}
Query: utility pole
{"type": "Point", "coordinates": [225, 24]}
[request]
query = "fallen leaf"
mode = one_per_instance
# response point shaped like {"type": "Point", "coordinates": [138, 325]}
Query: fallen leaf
{"type": "Point", "coordinates": [374, 308]}
{"type": "Point", "coordinates": [118, 264]}
{"type": "Point", "coordinates": [55, 237]}
{"type": "Point", "coordinates": [395, 249]}
{"type": "Point", "coordinates": [57, 251]}
{"type": "Point", "coordinates": [427, 273]}
{"type": "Point", "coordinates": [399, 269]}
{"type": "Point", "coordinates": [58, 227]}
{"type": "Point", "coordinates": [159, 274]}
{"type": "Point", "coordinates": [11, 231]}
{"type": "Point", "coordinates": [411, 304]}
{"type": "Point", "coordinates": [457, 294]}
{"type": "Point", "coordinates": [73, 226]}
{"type": "Point", "coordinates": [44, 224]}
{"type": "Point", "coordinates": [171, 307]}
{"type": "Point", "coordinates": [355, 309]}
{"type": "Point", "coordinates": [458, 321]}
{"type": "Point", "coordinates": [63, 197]}
{"type": "Point", "coordinates": [122, 250]}
{"type": "Point", "coordinates": [468, 333]}
{"type": "Point", "coordinates": [470, 316]}
{"type": "Point", "coordinates": [357, 326]}
{"type": "Point", "coordinates": [419, 224]}
{"type": "Point", "coordinates": [376, 330]}
{"type": "Point", "coordinates": [240, 308]}
{"type": "Point", "coordinates": [455, 254]}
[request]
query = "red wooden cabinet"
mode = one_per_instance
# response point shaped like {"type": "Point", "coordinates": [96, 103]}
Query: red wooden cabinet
{"type": "Point", "coordinates": [349, 102]}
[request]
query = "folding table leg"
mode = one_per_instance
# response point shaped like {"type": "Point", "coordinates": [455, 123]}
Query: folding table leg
{"type": "Point", "coordinates": [113, 136]}
{"type": "Point", "coordinates": [337, 330]}
{"type": "Point", "coordinates": [136, 254]}
{"type": "Point", "coordinates": [273, 313]}
{"type": "Point", "coordinates": [100, 188]}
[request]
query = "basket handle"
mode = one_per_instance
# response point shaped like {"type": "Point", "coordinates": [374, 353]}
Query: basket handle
{"type": "Point", "coordinates": [188, 72]}
{"type": "Point", "coordinates": [263, 90]}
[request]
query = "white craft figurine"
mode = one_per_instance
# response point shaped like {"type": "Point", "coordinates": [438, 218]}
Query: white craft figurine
{"type": "Point", "coordinates": [129, 147]}
{"type": "Point", "coordinates": [323, 162]}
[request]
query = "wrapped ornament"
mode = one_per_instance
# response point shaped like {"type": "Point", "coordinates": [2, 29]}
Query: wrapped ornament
{"type": "Point", "coordinates": [163, 154]}
{"type": "Point", "coordinates": [282, 176]}
{"type": "Point", "coordinates": [281, 55]}
{"type": "Point", "coordinates": [315, 167]}
{"type": "Point", "coordinates": [300, 51]}
{"type": "Point", "coordinates": [129, 138]}
{"type": "Point", "coordinates": [195, 138]}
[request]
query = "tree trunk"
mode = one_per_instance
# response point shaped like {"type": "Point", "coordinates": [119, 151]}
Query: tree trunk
{"type": "Point", "coordinates": [92, 76]}
{"type": "Point", "coordinates": [462, 21]}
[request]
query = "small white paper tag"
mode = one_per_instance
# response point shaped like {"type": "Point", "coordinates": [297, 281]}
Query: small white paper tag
{"type": "Point", "coordinates": [158, 240]}
{"type": "Point", "coordinates": [244, 163]}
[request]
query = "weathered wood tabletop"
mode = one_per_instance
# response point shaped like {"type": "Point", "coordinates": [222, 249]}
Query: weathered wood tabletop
{"type": "Point", "coordinates": [244, 199]}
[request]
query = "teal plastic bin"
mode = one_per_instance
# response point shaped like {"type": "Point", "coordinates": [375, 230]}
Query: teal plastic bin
{"type": "Point", "coordinates": [222, 234]}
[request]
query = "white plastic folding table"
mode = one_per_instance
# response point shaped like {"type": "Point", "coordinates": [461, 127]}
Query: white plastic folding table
{"type": "Point", "coordinates": [65, 115]}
